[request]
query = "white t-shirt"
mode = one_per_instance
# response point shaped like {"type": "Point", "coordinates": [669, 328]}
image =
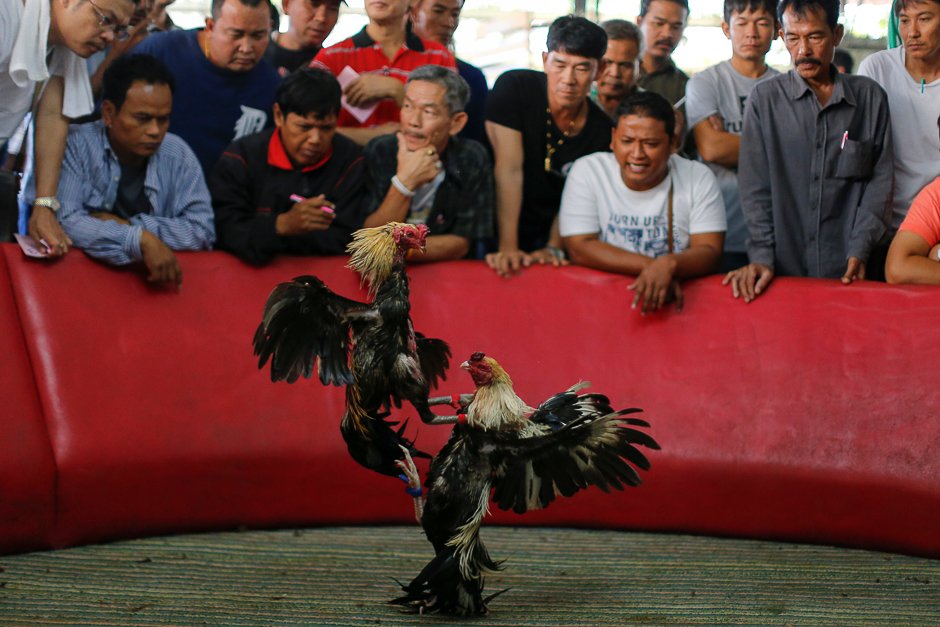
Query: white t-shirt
{"type": "Point", "coordinates": [914, 119]}
{"type": "Point", "coordinates": [25, 60]}
{"type": "Point", "coordinates": [596, 200]}
{"type": "Point", "coordinates": [721, 89]}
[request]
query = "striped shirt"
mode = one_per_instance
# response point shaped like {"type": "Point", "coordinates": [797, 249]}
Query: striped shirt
{"type": "Point", "coordinates": [362, 54]}
{"type": "Point", "coordinates": [174, 186]}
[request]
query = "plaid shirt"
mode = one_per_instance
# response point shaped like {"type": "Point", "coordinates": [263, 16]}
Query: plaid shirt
{"type": "Point", "coordinates": [463, 204]}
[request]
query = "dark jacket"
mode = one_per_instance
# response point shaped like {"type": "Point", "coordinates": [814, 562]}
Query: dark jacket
{"type": "Point", "coordinates": [253, 182]}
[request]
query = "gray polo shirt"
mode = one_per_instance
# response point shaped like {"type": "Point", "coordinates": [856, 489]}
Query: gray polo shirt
{"type": "Point", "coordinates": [810, 199]}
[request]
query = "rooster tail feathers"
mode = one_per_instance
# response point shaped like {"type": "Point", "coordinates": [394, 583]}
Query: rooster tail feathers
{"type": "Point", "coordinates": [375, 444]}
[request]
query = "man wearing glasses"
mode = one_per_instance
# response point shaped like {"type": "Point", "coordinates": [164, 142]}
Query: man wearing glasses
{"type": "Point", "coordinates": [43, 44]}
{"type": "Point", "coordinates": [224, 86]}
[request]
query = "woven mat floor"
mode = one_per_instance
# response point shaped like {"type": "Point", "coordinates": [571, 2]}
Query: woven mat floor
{"type": "Point", "coordinates": [341, 576]}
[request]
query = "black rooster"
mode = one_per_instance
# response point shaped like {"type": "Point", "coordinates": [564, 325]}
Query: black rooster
{"type": "Point", "coordinates": [371, 348]}
{"type": "Point", "coordinates": [522, 459]}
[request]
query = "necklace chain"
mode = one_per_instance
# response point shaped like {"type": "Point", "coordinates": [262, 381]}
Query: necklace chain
{"type": "Point", "coordinates": [549, 148]}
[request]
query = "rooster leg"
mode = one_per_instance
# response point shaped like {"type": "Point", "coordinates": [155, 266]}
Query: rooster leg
{"type": "Point", "coordinates": [444, 420]}
{"type": "Point", "coordinates": [456, 401]}
{"type": "Point", "coordinates": [411, 476]}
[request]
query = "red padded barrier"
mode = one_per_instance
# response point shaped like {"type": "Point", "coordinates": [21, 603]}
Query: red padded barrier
{"type": "Point", "coordinates": [27, 468]}
{"type": "Point", "coordinates": [809, 414]}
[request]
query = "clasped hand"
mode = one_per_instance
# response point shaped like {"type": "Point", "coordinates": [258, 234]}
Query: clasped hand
{"type": "Point", "coordinates": [305, 216]}
{"type": "Point", "coordinates": [367, 88]}
{"type": "Point", "coordinates": [655, 286]}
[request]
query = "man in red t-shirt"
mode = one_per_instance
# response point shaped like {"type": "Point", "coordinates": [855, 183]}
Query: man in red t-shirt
{"type": "Point", "coordinates": [373, 65]}
{"type": "Point", "coordinates": [912, 257]}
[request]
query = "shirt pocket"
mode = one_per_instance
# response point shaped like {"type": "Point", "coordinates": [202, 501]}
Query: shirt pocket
{"type": "Point", "coordinates": [856, 160]}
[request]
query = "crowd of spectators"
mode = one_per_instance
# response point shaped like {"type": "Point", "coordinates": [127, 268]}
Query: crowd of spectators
{"type": "Point", "coordinates": [610, 157]}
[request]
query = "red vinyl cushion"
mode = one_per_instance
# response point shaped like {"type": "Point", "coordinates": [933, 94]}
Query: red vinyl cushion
{"type": "Point", "coordinates": [806, 415]}
{"type": "Point", "coordinates": [27, 467]}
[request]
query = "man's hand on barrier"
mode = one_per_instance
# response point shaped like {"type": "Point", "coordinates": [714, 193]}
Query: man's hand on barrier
{"type": "Point", "coordinates": [45, 228]}
{"type": "Point", "coordinates": [655, 286]}
{"type": "Point", "coordinates": [750, 281]}
{"type": "Point", "coordinates": [161, 263]}
{"type": "Point", "coordinates": [854, 271]}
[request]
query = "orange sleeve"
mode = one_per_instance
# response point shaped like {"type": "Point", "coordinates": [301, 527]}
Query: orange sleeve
{"type": "Point", "coordinates": [923, 218]}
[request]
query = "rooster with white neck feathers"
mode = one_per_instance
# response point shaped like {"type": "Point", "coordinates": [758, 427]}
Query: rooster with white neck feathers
{"type": "Point", "coordinates": [520, 458]}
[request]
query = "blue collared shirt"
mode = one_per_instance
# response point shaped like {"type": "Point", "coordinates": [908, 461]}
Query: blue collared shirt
{"type": "Point", "coordinates": [174, 186]}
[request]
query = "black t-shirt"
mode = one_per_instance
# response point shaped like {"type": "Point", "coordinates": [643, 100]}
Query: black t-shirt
{"type": "Point", "coordinates": [519, 100]}
{"type": "Point", "coordinates": [131, 198]}
{"type": "Point", "coordinates": [286, 61]}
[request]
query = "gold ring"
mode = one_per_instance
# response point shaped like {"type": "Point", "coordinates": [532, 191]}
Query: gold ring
{"type": "Point", "coordinates": [430, 152]}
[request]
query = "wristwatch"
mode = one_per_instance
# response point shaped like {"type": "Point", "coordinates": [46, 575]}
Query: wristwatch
{"type": "Point", "coordinates": [50, 202]}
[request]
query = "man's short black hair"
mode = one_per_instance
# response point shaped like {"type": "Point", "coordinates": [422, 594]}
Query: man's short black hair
{"type": "Point", "coordinates": [622, 30]}
{"type": "Point", "coordinates": [801, 7]}
{"type": "Point", "coordinates": [645, 5]}
{"type": "Point", "coordinates": [578, 36]}
{"type": "Point", "coordinates": [129, 68]}
{"type": "Point", "coordinates": [216, 9]}
{"type": "Point", "coordinates": [648, 104]}
{"type": "Point", "coordinates": [740, 6]}
{"type": "Point", "coordinates": [900, 5]}
{"type": "Point", "coordinates": [309, 90]}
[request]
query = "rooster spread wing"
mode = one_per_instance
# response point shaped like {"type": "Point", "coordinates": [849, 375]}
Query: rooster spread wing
{"type": "Point", "coordinates": [528, 473]}
{"type": "Point", "coordinates": [434, 357]}
{"type": "Point", "coordinates": [568, 406]}
{"type": "Point", "coordinates": [304, 320]}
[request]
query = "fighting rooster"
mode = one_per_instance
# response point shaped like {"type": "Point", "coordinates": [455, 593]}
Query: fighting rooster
{"type": "Point", "coordinates": [522, 459]}
{"type": "Point", "coordinates": [371, 348]}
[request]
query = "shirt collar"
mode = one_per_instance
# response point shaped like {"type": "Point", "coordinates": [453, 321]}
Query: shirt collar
{"type": "Point", "coordinates": [412, 41]}
{"type": "Point", "coordinates": [799, 88]}
{"type": "Point", "coordinates": [151, 179]}
{"type": "Point", "coordinates": [668, 68]}
{"type": "Point", "coordinates": [277, 155]}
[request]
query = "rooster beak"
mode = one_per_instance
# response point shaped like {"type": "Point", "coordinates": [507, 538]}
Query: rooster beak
{"type": "Point", "coordinates": [465, 365]}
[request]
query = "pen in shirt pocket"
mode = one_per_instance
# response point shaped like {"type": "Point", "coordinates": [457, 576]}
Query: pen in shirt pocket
{"type": "Point", "coordinates": [299, 198]}
{"type": "Point", "coordinates": [845, 137]}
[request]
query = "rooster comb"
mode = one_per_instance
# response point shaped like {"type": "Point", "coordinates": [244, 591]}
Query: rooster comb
{"type": "Point", "coordinates": [373, 250]}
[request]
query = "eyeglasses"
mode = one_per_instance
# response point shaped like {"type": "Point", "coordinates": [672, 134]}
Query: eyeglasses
{"type": "Point", "coordinates": [107, 23]}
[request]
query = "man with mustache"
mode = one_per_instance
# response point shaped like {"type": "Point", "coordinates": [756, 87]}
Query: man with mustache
{"type": "Point", "coordinates": [426, 174]}
{"type": "Point", "coordinates": [43, 47]}
{"type": "Point", "coordinates": [910, 74]}
{"type": "Point", "coordinates": [437, 20]}
{"type": "Point", "coordinates": [225, 87]}
{"type": "Point", "coordinates": [311, 22]}
{"type": "Point", "coordinates": [715, 105]}
{"type": "Point", "coordinates": [816, 161]}
{"type": "Point", "coordinates": [131, 192]}
{"type": "Point", "coordinates": [662, 23]}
